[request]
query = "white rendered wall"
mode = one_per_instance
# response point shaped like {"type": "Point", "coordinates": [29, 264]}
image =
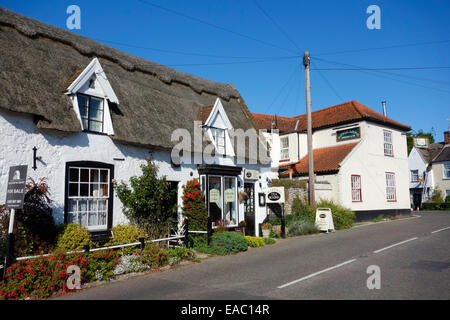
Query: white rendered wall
{"type": "Point", "coordinates": [19, 135]}
{"type": "Point", "coordinates": [368, 160]}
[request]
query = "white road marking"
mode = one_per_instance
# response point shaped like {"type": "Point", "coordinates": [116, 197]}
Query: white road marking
{"type": "Point", "coordinates": [395, 244]}
{"type": "Point", "coordinates": [440, 230]}
{"type": "Point", "coordinates": [316, 273]}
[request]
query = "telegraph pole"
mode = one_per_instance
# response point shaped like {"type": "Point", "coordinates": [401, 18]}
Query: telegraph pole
{"type": "Point", "coordinates": [306, 63]}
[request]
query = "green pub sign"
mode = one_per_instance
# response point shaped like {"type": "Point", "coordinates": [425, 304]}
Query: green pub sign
{"type": "Point", "coordinates": [353, 133]}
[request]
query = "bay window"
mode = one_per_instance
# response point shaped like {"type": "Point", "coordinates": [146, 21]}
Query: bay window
{"type": "Point", "coordinates": [89, 195]}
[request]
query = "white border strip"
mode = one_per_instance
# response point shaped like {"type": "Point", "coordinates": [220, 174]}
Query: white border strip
{"type": "Point", "coordinates": [315, 274]}
{"type": "Point", "coordinates": [440, 230]}
{"type": "Point", "coordinates": [395, 244]}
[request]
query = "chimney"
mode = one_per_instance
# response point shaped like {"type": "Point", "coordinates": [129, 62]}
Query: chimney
{"type": "Point", "coordinates": [383, 103]}
{"type": "Point", "coordinates": [447, 137]}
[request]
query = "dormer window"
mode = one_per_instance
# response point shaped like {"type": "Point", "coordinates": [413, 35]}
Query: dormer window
{"type": "Point", "coordinates": [91, 95]}
{"type": "Point", "coordinates": [91, 112]}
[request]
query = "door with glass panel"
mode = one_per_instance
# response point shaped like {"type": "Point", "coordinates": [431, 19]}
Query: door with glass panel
{"type": "Point", "coordinates": [88, 197]}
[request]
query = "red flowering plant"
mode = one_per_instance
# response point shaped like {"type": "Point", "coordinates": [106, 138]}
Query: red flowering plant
{"type": "Point", "coordinates": [194, 205]}
{"type": "Point", "coordinates": [41, 277]}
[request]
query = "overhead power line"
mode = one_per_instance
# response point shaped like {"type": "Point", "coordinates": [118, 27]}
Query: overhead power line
{"type": "Point", "coordinates": [376, 73]}
{"type": "Point", "coordinates": [384, 68]}
{"type": "Point", "coordinates": [282, 89]}
{"type": "Point", "coordinates": [327, 82]}
{"type": "Point", "coordinates": [384, 47]}
{"type": "Point", "coordinates": [276, 25]}
{"type": "Point", "coordinates": [233, 62]}
{"type": "Point", "coordinates": [196, 54]}
{"type": "Point", "coordinates": [214, 25]}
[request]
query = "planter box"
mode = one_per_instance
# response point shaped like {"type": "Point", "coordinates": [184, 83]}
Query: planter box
{"type": "Point", "coordinates": [266, 233]}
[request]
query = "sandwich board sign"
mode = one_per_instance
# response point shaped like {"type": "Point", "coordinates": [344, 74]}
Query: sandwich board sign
{"type": "Point", "coordinates": [275, 195]}
{"type": "Point", "coordinates": [15, 191]}
{"type": "Point", "coordinates": [324, 219]}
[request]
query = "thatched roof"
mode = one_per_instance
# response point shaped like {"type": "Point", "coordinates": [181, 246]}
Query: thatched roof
{"type": "Point", "coordinates": [38, 60]}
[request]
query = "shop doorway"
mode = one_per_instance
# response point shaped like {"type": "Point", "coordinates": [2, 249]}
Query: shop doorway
{"type": "Point", "coordinates": [249, 208]}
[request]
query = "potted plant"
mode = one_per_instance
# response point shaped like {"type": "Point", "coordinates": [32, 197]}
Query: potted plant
{"type": "Point", "coordinates": [266, 228]}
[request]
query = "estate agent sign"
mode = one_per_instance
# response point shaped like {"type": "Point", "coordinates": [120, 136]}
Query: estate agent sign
{"type": "Point", "coordinates": [16, 187]}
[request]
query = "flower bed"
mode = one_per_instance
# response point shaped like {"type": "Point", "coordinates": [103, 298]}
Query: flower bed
{"type": "Point", "coordinates": [41, 277]}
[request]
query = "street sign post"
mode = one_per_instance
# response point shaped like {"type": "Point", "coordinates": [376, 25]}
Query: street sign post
{"type": "Point", "coordinates": [275, 195]}
{"type": "Point", "coordinates": [15, 193]}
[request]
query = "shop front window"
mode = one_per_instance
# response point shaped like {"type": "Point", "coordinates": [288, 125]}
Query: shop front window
{"type": "Point", "coordinates": [222, 200]}
{"type": "Point", "coordinates": [230, 200]}
{"type": "Point", "coordinates": [215, 199]}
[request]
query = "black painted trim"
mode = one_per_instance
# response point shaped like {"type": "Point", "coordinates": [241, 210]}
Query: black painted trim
{"type": "Point", "coordinates": [90, 164]}
{"type": "Point", "coordinates": [368, 215]}
{"type": "Point", "coordinates": [219, 170]}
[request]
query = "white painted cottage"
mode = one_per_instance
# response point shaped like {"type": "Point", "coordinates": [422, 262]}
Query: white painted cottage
{"type": "Point", "coordinates": [429, 168]}
{"type": "Point", "coordinates": [360, 157]}
{"type": "Point", "coordinates": [95, 114]}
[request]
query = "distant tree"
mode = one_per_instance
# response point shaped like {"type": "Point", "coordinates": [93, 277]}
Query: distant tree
{"type": "Point", "coordinates": [421, 134]}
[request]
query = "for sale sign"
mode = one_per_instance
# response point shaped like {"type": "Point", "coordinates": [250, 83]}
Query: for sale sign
{"type": "Point", "coordinates": [15, 191]}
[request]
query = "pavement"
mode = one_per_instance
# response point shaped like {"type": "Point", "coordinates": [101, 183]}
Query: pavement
{"type": "Point", "coordinates": [412, 256]}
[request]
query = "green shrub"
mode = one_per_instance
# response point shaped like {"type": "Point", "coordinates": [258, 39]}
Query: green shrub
{"type": "Point", "coordinates": [74, 237]}
{"type": "Point", "coordinates": [378, 219]}
{"type": "Point", "coordinates": [35, 230]}
{"type": "Point", "coordinates": [435, 206]}
{"type": "Point", "coordinates": [149, 201]}
{"type": "Point", "coordinates": [126, 233]}
{"type": "Point", "coordinates": [301, 210]}
{"type": "Point", "coordinates": [342, 217]}
{"type": "Point", "coordinates": [255, 242]}
{"type": "Point", "coordinates": [179, 254]}
{"type": "Point", "coordinates": [301, 227]}
{"type": "Point", "coordinates": [152, 256]}
{"type": "Point", "coordinates": [225, 242]}
{"type": "Point", "coordinates": [269, 240]}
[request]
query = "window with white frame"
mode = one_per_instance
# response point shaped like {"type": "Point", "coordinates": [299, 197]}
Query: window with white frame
{"type": "Point", "coordinates": [388, 148]}
{"type": "Point", "coordinates": [414, 175]}
{"type": "Point", "coordinates": [390, 186]}
{"type": "Point", "coordinates": [447, 170]}
{"type": "Point", "coordinates": [219, 138]}
{"type": "Point", "coordinates": [88, 196]}
{"type": "Point", "coordinates": [356, 188]}
{"type": "Point", "coordinates": [91, 112]}
{"type": "Point", "coordinates": [284, 148]}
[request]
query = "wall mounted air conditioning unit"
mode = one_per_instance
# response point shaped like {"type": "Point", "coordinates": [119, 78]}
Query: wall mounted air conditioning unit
{"type": "Point", "coordinates": [251, 174]}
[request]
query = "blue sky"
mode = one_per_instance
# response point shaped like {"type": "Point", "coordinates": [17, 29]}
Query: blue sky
{"type": "Point", "coordinates": [420, 98]}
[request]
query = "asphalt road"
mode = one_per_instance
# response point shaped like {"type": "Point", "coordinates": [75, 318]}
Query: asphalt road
{"type": "Point", "coordinates": [413, 256]}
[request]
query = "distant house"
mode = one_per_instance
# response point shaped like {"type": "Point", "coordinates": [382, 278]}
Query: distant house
{"type": "Point", "coordinates": [360, 156]}
{"type": "Point", "coordinates": [422, 178]}
{"type": "Point", "coordinates": [95, 114]}
{"type": "Point", "coordinates": [441, 167]}
{"type": "Point", "coordinates": [430, 170]}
